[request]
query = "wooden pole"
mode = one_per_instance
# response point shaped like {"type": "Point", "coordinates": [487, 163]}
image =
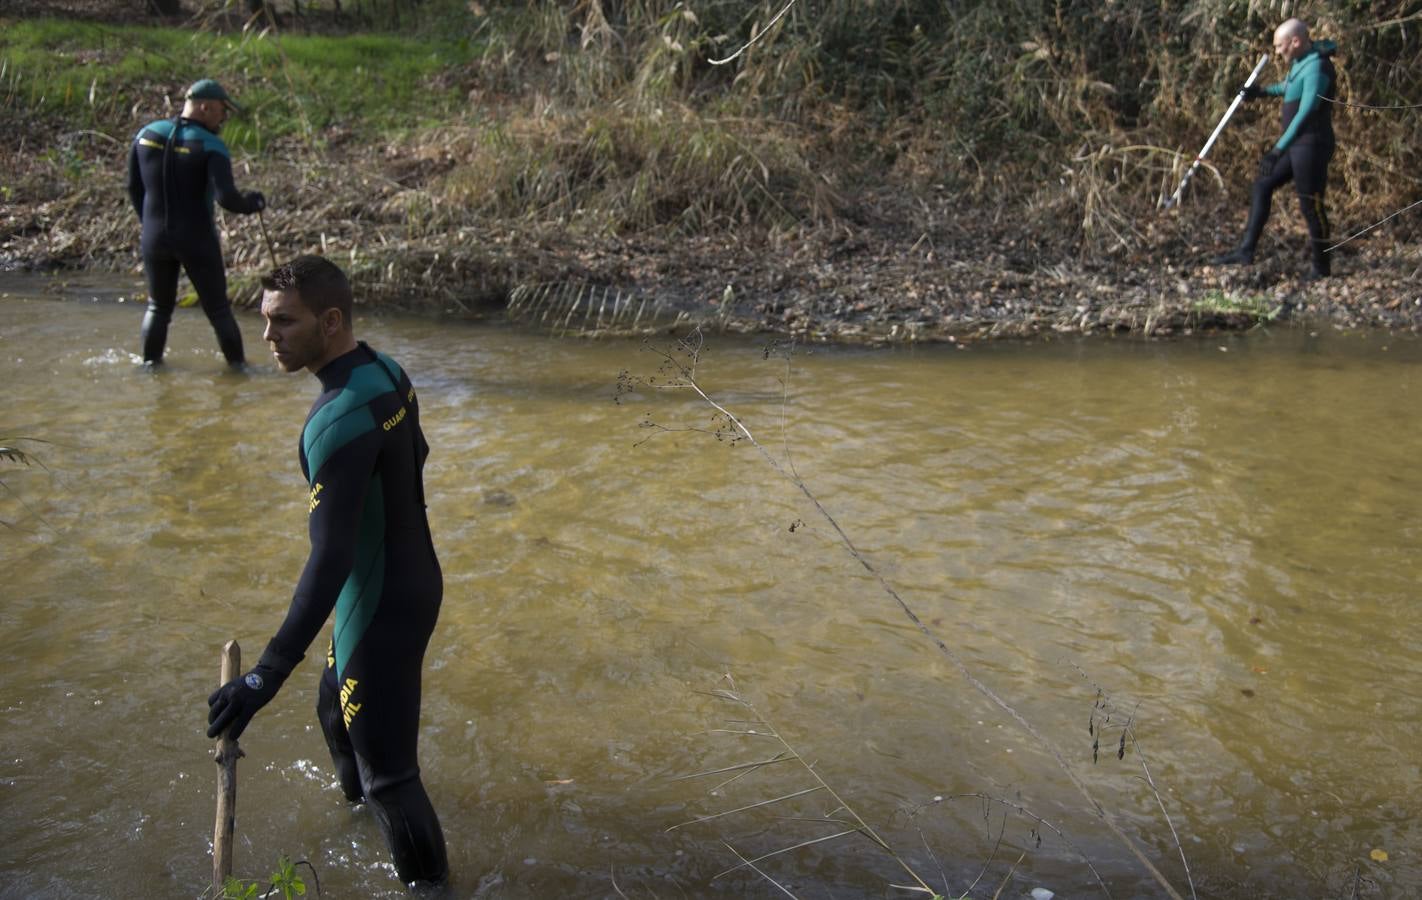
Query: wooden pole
{"type": "Point", "coordinates": [228, 752]}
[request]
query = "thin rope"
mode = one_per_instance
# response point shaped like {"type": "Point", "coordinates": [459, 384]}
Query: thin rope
{"type": "Point", "coordinates": [1367, 106]}
{"type": "Point", "coordinates": [1371, 227]}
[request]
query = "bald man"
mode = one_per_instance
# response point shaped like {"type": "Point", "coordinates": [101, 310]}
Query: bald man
{"type": "Point", "coordinates": [1302, 152]}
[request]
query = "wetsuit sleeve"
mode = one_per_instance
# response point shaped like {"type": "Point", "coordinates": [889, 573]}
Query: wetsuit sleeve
{"type": "Point", "coordinates": [1315, 85]}
{"type": "Point", "coordinates": [135, 180]}
{"type": "Point", "coordinates": [219, 175]}
{"type": "Point", "coordinates": [1274, 90]}
{"type": "Point", "coordinates": [338, 495]}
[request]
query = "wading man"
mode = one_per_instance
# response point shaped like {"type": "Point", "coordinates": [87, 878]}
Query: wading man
{"type": "Point", "coordinates": [1302, 152]}
{"type": "Point", "coordinates": [372, 561]}
{"type": "Point", "coordinates": [175, 169]}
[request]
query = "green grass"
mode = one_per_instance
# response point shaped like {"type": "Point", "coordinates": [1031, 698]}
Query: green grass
{"type": "Point", "coordinates": [1256, 305]}
{"type": "Point", "coordinates": [103, 76]}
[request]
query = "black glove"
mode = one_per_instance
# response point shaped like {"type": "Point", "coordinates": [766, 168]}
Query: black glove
{"type": "Point", "coordinates": [1268, 161]}
{"type": "Point", "coordinates": [233, 705]}
{"type": "Point", "coordinates": [256, 201]}
{"type": "Point", "coordinates": [1252, 92]}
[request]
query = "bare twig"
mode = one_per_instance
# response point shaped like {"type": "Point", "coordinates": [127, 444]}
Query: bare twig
{"type": "Point", "coordinates": [738, 809]}
{"type": "Point", "coordinates": [1021, 810]}
{"type": "Point", "coordinates": [1008, 877]}
{"type": "Point", "coordinates": [765, 856]}
{"type": "Point", "coordinates": [1161, 803]}
{"type": "Point", "coordinates": [758, 870]}
{"type": "Point", "coordinates": [854, 822]}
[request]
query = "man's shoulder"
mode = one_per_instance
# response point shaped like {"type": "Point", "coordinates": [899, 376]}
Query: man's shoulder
{"type": "Point", "coordinates": [158, 128]}
{"type": "Point", "coordinates": [342, 415]}
{"type": "Point", "coordinates": [195, 134]}
{"type": "Point", "coordinates": [366, 384]}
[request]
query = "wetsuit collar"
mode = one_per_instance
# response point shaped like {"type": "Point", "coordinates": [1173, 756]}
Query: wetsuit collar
{"type": "Point", "coordinates": [335, 372]}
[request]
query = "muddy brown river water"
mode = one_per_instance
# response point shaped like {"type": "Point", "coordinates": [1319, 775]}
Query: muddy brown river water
{"type": "Point", "coordinates": [1217, 538]}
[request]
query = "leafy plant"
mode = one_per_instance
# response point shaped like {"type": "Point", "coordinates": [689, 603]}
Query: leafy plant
{"type": "Point", "coordinates": [286, 882]}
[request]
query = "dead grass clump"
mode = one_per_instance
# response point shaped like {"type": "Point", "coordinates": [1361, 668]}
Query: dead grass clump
{"type": "Point", "coordinates": [617, 171]}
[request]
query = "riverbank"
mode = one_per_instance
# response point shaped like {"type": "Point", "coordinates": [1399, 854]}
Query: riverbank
{"type": "Point", "coordinates": [896, 267]}
{"type": "Point", "coordinates": [507, 173]}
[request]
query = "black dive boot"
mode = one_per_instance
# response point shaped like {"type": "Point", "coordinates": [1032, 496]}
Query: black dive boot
{"type": "Point", "coordinates": [1236, 257]}
{"type": "Point", "coordinates": [1321, 262]}
{"type": "Point", "coordinates": [154, 335]}
{"type": "Point", "coordinates": [1259, 206]}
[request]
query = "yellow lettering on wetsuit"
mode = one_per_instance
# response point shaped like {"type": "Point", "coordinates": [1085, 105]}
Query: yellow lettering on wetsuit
{"type": "Point", "coordinates": [395, 419]}
{"type": "Point", "coordinates": [314, 502]}
{"type": "Point", "coordinates": [410, 396]}
{"type": "Point", "coordinates": [349, 709]}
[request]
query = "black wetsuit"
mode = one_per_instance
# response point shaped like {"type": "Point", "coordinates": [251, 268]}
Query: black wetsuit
{"type": "Point", "coordinates": [1305, 148]}
{"type": "Point", "coordinates": [373, 562]}
{"type": "Point", "coordinates": [175, 168]}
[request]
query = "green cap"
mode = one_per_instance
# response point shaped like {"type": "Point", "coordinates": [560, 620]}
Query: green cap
{"type": "Point", "coordinates": [207, 89]}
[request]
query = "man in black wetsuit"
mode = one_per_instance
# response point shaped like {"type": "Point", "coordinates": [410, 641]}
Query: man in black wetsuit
{"type": "Point", "coordinates": [1302, 152]}
{"type": "Point", "coordinates": [372, 561]}
{"type": "Point", "coordinates": [175, 169]}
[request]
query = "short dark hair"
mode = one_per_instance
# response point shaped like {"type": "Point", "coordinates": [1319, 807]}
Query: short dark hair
{"type": "Point", "coordinates": [319, 283]}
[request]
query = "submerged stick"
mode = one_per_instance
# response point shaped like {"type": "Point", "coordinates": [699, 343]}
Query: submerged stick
{"type": "Point", "coordinates": [228, 752]}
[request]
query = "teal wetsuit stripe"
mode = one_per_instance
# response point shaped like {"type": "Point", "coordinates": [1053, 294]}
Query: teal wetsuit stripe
{"type": "Point", "coordinates": [345, 418]}
{"type": "Point", "coordinates": [361, 593]}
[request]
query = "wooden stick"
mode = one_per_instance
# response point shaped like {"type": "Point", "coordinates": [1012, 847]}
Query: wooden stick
{"type": "Point", "coordinates": [227, 755]}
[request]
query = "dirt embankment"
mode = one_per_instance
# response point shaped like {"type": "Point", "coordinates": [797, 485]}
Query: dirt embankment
{"type": "Point", "coordinates": [896, 266]}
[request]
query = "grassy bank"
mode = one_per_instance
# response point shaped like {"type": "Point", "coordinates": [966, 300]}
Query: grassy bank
{"type": "Point", "coordinates": [886, 164]}
{"type": "Point", "coordinates": [108, 77]}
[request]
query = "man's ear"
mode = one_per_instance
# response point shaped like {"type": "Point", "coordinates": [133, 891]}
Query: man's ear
{"type": "Point", "coordinates": [331, 322]}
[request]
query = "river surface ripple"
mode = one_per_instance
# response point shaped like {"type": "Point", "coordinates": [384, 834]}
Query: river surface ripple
{"type": "Point", "coordinates": [1215, 540]}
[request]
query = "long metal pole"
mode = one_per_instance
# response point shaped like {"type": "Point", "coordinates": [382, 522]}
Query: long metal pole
{"type": "Point", "coordinates": [1238, 99]}
{"type": "Point", "coordinates": [227, 755]}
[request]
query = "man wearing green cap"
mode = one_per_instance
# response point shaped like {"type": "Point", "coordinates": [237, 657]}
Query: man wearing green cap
{"type": "Point", "coordinates": [176, 168]}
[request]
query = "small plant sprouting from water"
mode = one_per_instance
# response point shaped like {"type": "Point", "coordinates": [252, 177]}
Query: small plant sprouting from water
{"type": "Point", "coordinates": [12, 453]}
{"type": "Point", "coordinates": [1103, 710]}
{"type": "Point", "coordinates": [286, 882]}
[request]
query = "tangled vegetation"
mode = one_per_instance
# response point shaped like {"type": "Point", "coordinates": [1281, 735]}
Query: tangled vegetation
{"type": "Point", "coordinates": [1015, 148]}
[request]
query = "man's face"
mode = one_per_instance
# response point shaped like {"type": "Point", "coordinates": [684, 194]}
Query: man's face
{"type": "Point", "coordinates": [1288, 46]}
{"type": "Point", "coordinates": [213, 114]}
{"type": "Point", "coordinates": [297, 336]}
